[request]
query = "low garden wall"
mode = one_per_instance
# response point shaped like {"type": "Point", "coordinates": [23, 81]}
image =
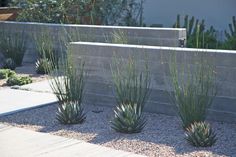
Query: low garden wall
{"type": "Point", "coordinates": [98, 58]}
{"type": "Point", "coordinates": [136, 35]}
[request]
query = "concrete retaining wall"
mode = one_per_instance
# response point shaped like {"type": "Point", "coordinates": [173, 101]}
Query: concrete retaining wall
{"type": "Point", "coordinates": [98, 57]}
{"type": "Point", "coordinates": [136, 35]}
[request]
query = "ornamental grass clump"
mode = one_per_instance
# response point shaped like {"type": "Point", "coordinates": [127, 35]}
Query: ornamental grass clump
{"type": "Point", "coordinates": [13, 45]}
{"type": "Point", "coordinates": [132, 89]}
{"type": "Point", "coordinates": [47, 55]}
{"type": "Point", "coordinates": [193, 90]}
{"type": "Point", "coordinates": [200, 134]}
{"type": "Point", "coordinates": [119, 37]}
{"type": "Point", "coordinates": [42, 65]}
{"type": "Point", "coordinates": [68, 84]}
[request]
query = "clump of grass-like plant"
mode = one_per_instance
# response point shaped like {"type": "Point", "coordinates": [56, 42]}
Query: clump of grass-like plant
{"type": "Point", "coordinates": [119, 37]}
{"type": "Point", "coordinates": [200, 134]}
{"type": "Point", "coordinates": [132, 89]}
{"type": "Point", "coordinates": [42, 65]}
{"type": "Point", "coordinates": [47, 54]}
{"type": "Point", "coordinates": [13, 45]}
{"type": "Point", "coordinates": [68, 84]}
{"type": "Point", "coordinates": [193, 90]}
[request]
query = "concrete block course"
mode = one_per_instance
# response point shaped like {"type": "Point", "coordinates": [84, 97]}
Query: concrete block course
{"type": "Point", "coordinates": [93, 33]}
{"type": "Point", "coordinates": [98, 57]}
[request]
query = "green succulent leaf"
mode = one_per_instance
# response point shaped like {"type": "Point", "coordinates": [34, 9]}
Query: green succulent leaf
{"type": "Point", "coordinates": [200, 134]}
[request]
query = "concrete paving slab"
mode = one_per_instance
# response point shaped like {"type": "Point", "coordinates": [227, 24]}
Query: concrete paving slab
{"type": "Point", "coordinates": [42, 86]}
{"type": "Point", "coordinates": [20, 142]}
{"type": "Point", "coordinates": [12, 100]}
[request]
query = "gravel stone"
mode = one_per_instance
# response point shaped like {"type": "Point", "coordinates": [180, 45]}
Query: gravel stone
{"type": "Point", "coordinates": [163, 135]}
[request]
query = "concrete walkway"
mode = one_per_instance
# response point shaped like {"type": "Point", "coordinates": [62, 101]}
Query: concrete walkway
{"type": "Point", "coordinates": [17, 142]}
{"type": "Point", "coordinates": [15, 100]}
{"type": "Point", "coordinates": [42, 86]}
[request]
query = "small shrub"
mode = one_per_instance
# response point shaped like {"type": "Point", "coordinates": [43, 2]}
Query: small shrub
{"type": "Point", "coordinates": [9, 64]}
{"type": "Point", "coordinates": [6, 73]}
{"type": "Point", "coordinates": [193, 90]}
{"type": "Point", "coordinates": [200, 134]}
{"type": "Point", "coordinates": [128, 119]}
{"type": "Point", "coordinates": [68, 84]}
{"type": "Point", "coordinates": [71, 113]}
{"type": "Point", "coordinates": [42, 66]}
{"type": "Point", "coordinates": [18, 80]}
{"type": "Point", "coordinates": [13, 45]}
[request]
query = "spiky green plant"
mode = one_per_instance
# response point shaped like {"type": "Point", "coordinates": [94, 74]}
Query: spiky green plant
{"type": "Point", "coordinates": [119, 37]}
{"type": "Point", "coordinates": [128, 119]}
{"type": "Point", "coordinates": [71, 112]}
{"type": "Point", "coordinates": [132, 90]}
{"type": "Point", "coordinates": [194, 89]}
{"type": "Point", "coordinates": [44, 43]}
{"type": "Point", "coordinates": [68, 84]}
{"type": "Point", "coordinates": [13, 45]}
{"type": "Point", "coordinates": [131, 86]}
{"type": "Point", "coordinates": [200, 134]}
{"type": "Point", "coordinates": [42, 65]}
{"type": "Point", "coordinates": [9, 64]}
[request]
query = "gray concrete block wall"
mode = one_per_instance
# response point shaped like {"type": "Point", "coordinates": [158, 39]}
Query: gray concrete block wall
{"type": "Point", "coordinates": [136, 35]}
{"type": "Point", "coordinates": [98, 57]}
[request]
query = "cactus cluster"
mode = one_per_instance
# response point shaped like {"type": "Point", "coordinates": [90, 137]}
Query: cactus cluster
{"type": "Point", "coordinates": [197, 35]}
{"type": "Point", "coordinates": [231, 35]}
{"type": "Point", "coordinates": [200, 134]}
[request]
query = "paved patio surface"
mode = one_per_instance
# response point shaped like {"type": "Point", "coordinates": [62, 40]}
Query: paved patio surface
{"type": "Point", "coordinates": [17, 142]}
{"type": "Point", "coordinates": [42, 86]}
{"type": "Point", "coordinates": [14, 100]}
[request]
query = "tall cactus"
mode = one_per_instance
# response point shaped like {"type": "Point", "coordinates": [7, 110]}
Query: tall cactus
{"type": "Point", "coordinates": [197, 35]}
{"type": "Point", "coordinates": [231, 35]}
{"type": "Point", "coordinates": [232, 29]}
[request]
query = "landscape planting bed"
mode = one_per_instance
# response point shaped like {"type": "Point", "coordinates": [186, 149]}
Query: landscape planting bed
{"type": "Point", "coordinates": [163, 135]}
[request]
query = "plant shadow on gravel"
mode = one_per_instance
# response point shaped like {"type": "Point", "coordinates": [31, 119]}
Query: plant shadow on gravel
{"type": "Point", "coordinates": [161, 132]}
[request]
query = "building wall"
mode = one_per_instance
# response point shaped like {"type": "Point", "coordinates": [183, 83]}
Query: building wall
{"type": "Point", "coordinates": [99, 91]}
{"type": "Point", "coordinates": [216, 12]}
{"type": "Point", "coordinates": [136, 35]}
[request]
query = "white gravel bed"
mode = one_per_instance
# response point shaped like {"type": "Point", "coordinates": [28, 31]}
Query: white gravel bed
{"type": "Point", "coordinates": [162, 136]}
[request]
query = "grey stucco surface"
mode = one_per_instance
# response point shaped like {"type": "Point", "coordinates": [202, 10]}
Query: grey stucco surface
{"type": "Point", "coordinates": [92, 33]}
{"type": "Point", "coordinates": [98, 58]}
